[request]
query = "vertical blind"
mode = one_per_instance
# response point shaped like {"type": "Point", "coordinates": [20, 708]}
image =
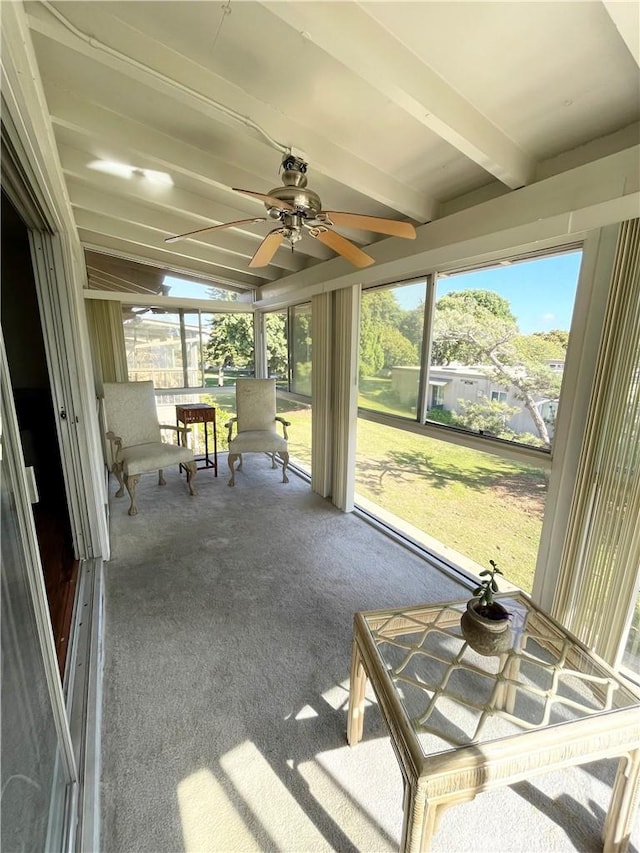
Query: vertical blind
{"type": "Point", "coordinates": [601, 558]}
{"type": "Point", "coordinates": [107, 341]}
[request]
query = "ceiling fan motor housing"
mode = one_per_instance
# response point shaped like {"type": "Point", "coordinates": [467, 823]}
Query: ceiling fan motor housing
{"type": "Point", "coordinates": [295, 191]}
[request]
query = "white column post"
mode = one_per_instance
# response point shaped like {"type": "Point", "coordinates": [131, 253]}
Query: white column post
{"type": "Point", "coordinates": [346, 339]}
{"type": "Point", "coordinates": [321, 394]}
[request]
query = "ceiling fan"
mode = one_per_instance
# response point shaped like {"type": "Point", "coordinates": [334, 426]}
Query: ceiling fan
{"type": "Point", "coordinates": [298, 209]}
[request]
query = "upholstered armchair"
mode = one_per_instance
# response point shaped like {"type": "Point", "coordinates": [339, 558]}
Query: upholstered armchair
{"type": "Point", "coordinates": [136, 440]}
{"type": "Point", "coordinates": [256, 422]}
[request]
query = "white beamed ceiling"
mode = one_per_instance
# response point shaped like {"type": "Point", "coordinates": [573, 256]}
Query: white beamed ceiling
{"type": "Point", "coordinates": [400, 109]}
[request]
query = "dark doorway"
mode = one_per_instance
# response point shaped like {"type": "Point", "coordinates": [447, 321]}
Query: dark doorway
{"type": "Point", "coordinates": [24, 343]}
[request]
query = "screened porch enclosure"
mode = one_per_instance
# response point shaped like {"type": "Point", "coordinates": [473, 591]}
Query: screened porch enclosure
{"type": "Point", "coordinates": [461, 381]}
{"type": "Point", "coordinates": [222, 663]}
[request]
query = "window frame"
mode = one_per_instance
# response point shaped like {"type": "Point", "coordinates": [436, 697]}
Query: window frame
{"type": "Point", "coordinates": [181, 306]}
{"type": "Point", "coordinates": [539, 456]}
{"type": "Point", "coordinates": [260, 318]}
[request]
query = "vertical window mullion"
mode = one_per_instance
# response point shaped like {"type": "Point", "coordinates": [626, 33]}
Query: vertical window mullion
{"type": "Point", "coordinates": [200, 349]}
{"type": "Point", "coordinates": [290, 311]}
{"type": "Point", "coordinates": [425, 355]}
{"type": "Point", "coordinates": [183, 347]}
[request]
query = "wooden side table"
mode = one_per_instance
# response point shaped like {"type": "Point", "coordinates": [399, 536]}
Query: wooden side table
{"type": "Point", "coordinates": [201, 413]}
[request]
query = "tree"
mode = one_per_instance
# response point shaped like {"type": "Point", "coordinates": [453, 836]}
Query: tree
{"type": "Point", "coordinates": [478, 327]}
{"type": "Point", "coordinates": [465, 310]}
{"type": "Point", "coordinates": [558, 338]}
{"type": "Point", "coordinates": [539, 348]}
{"type": "Point", "coordinates": [277, 346]}
{"type": "Point", "coordinates": [486, 415]}
{"type": "Point", "coordinates": [220, 294]}
{"type": "Point", "coordinates": [383, 343]}
{"type": "Point", "coordinates": [230, 343]}
{"type": "Point", "coordinates": [396, 349]}
{"type": "Point", "coordinates": [412, 325]}
{"type": "Point", "coordinates": [371, 358]}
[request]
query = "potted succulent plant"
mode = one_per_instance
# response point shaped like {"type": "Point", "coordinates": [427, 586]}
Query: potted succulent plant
{"type": "Point", "coordinates": [485, 622]}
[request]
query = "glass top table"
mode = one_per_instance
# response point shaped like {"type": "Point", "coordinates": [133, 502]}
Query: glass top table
{"type": "Point", "coordinates": [461, 722]}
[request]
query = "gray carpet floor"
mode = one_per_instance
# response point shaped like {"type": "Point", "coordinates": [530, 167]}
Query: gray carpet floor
{"type": "Point", "coordinates": [227, 649]}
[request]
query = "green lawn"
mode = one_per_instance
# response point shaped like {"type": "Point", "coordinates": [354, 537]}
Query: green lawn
{"type": "Point", "coordinates": [480, 505]}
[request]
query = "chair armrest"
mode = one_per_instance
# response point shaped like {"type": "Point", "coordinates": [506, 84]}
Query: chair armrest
{"type": "Point", "coordinates": [182, 431]}
{"type": "Point", "coordinates": [229, 427]}
{"type": "Point", "coordinates": [285, 424]}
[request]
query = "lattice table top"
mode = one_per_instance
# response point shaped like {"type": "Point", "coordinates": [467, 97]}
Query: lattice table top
{"type": "Point", "coordinates": [455, 697]}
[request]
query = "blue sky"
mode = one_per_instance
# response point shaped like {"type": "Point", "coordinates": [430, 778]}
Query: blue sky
{"type": "Point", "coordinates": [541, 292]}
{"type": "Point", "coordinates": [186, 288]}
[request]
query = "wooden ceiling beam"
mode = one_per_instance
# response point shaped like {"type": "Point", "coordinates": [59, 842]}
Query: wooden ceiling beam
{"type": "Point", "coordinates": [381, 60]}
{"type": "Point", "coordinates": [625, 17]}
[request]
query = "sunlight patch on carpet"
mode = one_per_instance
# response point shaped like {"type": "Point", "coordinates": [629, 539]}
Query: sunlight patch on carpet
{"type": "Point", "coordinates": [364, 786]}
{"type": "Point", "coordinates": [337, 697]}
{"type": "Point", "coordinates": [279, 814]}
{"type": "Point", "coordinates": [209, 819]}
{"type": "Point", "coordinates": [306, 713]}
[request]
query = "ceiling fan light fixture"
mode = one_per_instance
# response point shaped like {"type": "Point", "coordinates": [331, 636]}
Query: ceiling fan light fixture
{"type": "Point", "coordinates": [292, 234]}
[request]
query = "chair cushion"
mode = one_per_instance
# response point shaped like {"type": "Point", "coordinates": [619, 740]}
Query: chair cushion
{"type": "Point", "coordinates": [255, 440]}
{"type": "Point", "coordinates": [150, 457]}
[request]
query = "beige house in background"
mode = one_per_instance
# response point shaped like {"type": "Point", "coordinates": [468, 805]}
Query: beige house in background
{"type": "Point", "coordinates": [453, 383]}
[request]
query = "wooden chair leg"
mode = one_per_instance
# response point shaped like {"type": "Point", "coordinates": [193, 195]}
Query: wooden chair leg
{"type": "Point", "coordinates": [161, 479]}
{"type": "Point", "coordinates": [231, 460]}
{"type": "Point", "coordinates": [284, 455]}
{"type": "Point", "coordinates": [131, 483]}
{"type": "Point", "coordinates": [192, 469]}
{"type": "Point", "coordinates": [117, 470]}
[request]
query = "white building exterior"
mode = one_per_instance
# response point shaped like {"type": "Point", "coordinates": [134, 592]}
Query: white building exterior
{"type": "Point", "coordinates": [451, 384]}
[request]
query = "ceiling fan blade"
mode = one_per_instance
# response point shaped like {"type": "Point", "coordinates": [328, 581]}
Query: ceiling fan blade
{"type": "Point", "coordinates": [371, 223]}
{"type": "Point", "coordinates": [267, 249]}
{"type": "Point", "coordinates": [213, 228]}
{"type": "Point", "coordinates": [343, 247]}
{"type": "Point", "coordinates": [271, 200]}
